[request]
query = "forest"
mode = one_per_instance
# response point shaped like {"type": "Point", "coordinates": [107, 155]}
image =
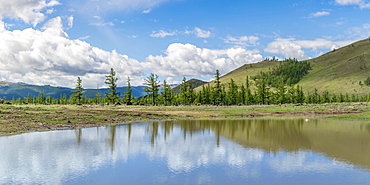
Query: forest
{"type": "Point", "coordinates": [276, 86]}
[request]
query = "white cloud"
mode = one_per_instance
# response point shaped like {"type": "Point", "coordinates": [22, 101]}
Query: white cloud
{"type": "Point", "coordinates": [70, 22]}
{"type": "Point", "coordinates": [360, 3]}
{"type": "Point", "coordinates": [190, 61]}
{"type": "Point", "coordinates": [162, 33]}
{"type": "Point", "coordinates": [50, 57]}
{"type": "Point", "coordinates": [322, 44]}
{"type": "Point", "coordinates": [133, 36]}
{"type": "Point", "coordinates": [320, 14]}
{"type": "Point", "coordinates": [359, 32]}
{"type": "Point", "coordinates": [202, 33]}
{"type": "Point", "coordinates": [198, 33]}
{"type": "Point", "coordinates": [101, 24]}
{"type": "Point", "coordinates": [292, 48]}
{"type": "Point", "coordinates": [147, 11]}
{"type": "Point", "coordinates": [242, 41]}
{"type": "Point", "coordinates": [84, 38]}
{"type": "Point", "coordinates": [29, 11]}
{"type": "Point", "coordinates": [286, 47]}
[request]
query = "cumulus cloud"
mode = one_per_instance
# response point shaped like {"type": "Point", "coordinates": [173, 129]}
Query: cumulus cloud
{"type": "Point", "coordinates": [286, 47]}
{"type": "Point", "coordinates": [50, 57]}
{"type": "Point", "coordinates": [242, 41]}
{"type": "Point", "coordinates": [162, 33]}
{"type": "Point", "coordinates": [360, 3]}
{"type": "Point", "coordinates": [292, 48]}
{"type": "Point", "coordinates": [29, 11]}
{"type": "Point", "coordinates": [190, 61]}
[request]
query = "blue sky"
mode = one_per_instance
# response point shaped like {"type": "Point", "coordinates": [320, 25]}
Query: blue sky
{"type": "Point", "coordinates": [54, 41]}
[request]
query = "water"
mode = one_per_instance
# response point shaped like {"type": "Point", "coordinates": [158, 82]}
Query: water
{"type": "Point", "coordinates": [253, 151]}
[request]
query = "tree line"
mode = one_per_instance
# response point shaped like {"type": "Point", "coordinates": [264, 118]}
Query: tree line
{"type": "Point", "coordinates": [255, 90]}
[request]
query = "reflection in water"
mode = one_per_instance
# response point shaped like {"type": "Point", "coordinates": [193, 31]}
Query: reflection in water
{"type": "Point", "coordinates": [257, 151]}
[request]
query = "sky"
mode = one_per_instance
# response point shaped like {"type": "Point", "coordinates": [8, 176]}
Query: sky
{"type": "Point", "coordinates": [52, 42]}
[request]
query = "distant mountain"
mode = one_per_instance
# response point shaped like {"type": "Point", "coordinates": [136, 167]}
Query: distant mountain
{"type": "Point", "coordinates": [193, 82]}
{"type": "Point", "coordinates": [21, 90]}
{"type": "Point", "coordinates": [342, 70]}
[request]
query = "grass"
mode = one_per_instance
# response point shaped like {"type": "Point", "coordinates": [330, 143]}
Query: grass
{"type": "Point", "coordinates": [15, 119]}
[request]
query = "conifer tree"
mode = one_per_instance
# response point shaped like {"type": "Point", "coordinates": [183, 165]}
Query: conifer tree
{"type": "Point", "coordinates": [111, 80]}
{"type": "Point", "coordinates": [242, 93]}
{"type": "Point", "coordinates": [281, 92]}
{"type": "Point", "coordinates": [77, 93]}
{"type": "Point", "coordinates": [248, 94]}
{"type": "Point", "coordinates": [167, 93]}
{"type": "Point", "coordinates": [153, 87]}
{"type": "Point", "coordinates": [262, 91]}
{"type": "Point", "coordinates": [217, 90]}
{"type": "Point", "coordinates": [232, 94]}
{"type": "Point", "coordinates": [128, 94]}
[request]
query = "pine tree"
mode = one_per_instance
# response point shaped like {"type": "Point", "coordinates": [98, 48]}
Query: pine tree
{"type": "Point", "coordinates": [111, 80]}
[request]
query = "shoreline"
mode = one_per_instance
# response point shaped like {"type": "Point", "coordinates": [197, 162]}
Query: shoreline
{"type": "Point", "coordinates": [18, 119]}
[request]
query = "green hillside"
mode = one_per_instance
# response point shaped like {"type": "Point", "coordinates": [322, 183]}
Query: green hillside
{"type": "Point", "coordinates": [343, 70]}
{"type": "Point", "coordinates": [193, 82]}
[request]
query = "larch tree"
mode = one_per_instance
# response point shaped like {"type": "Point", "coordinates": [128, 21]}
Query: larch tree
{"type": "Point", "coordinates": [128, 94]}
{"type": "Point", "coordinates": [111, 81]}
{"type": "Point", "coordinates": [153, 87]}
{"type": "Point", "coordinates": [77, 93]}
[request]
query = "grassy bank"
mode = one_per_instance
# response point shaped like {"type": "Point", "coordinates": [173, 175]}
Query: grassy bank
{"type": "Point", "coordinates": [15, 119]}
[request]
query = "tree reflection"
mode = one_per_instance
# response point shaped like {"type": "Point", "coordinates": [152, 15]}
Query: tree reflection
{"type": "Point", "coordinates": [338, 139]}
{"type": "Point", "coordinates": [78, 135]}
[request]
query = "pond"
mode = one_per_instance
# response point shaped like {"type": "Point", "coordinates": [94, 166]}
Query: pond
{"type": "Point", "coordinates": [249, 151]}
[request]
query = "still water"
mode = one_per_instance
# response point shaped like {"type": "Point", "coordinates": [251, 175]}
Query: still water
{"type": "Point", "coordinates": [252, 151]}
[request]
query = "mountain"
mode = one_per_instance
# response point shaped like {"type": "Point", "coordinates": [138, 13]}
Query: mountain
{"type": "Point", "coordinates": [21, 90]}
{"type": "Point", "coordinates": [193, 82]}
{"type": "Point", "coordinates": [342, 70]}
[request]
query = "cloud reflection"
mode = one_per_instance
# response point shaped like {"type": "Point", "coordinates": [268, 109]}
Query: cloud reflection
{"type": "Point", "coordinates": [59, 156]}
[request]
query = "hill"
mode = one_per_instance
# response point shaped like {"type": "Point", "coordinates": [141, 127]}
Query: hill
{"type": "Point", "coordinates": [342, 70]}
{"type": "Point", "coordinates": [193, 82]}
{"type": "Point", "coordinates": [21, 90]}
